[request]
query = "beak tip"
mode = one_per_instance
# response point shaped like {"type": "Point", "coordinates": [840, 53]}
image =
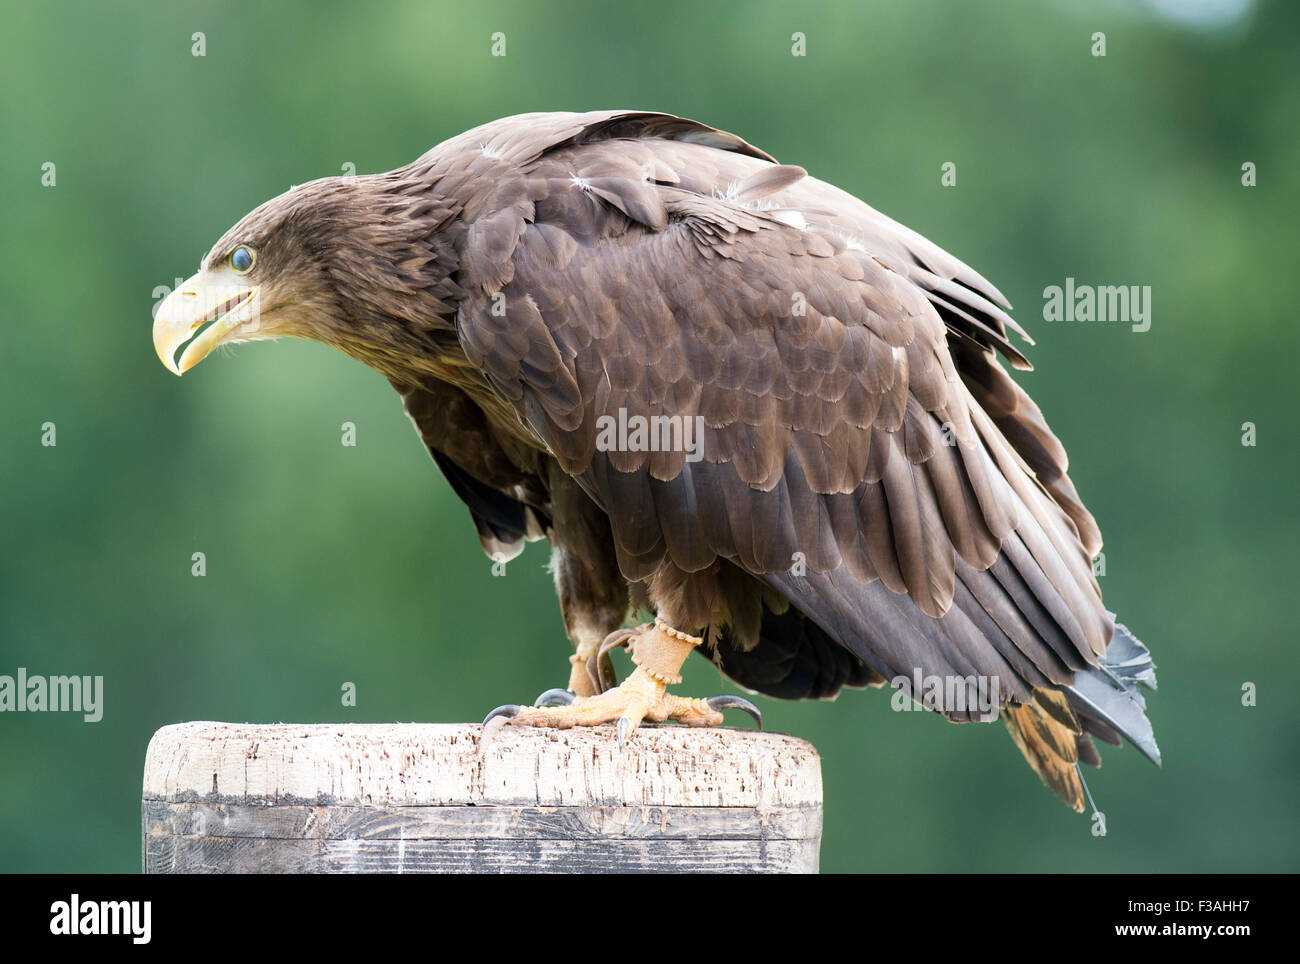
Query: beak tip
{"type": "Point", "coordinates": [167, 361]}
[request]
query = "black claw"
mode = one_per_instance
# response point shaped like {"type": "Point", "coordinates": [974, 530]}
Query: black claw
{"type": "Point", "coordinates": [555, 697]}
{"type": "Point", "coordinates": [728, 701]}
{"type": "Point", "coordinates": [601, 673]}
{"type": "Point", "coordinates": [599, 668]}
{"type": "Point", "coordinates": [508, 710]}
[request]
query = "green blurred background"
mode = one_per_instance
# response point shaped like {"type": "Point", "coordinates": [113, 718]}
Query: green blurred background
{"type": "Point", "coordinates": [328, 564]}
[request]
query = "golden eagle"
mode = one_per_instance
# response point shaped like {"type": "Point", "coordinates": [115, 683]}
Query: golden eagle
{"type": "Point", "coordinates": [730, 395]}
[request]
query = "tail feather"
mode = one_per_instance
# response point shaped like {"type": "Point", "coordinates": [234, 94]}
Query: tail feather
{"type": "Point", "coordinates": [1050, 747]}
{"type": "Point", "coordinates": [1054, 732]}
{"type": "Point", "coordinates": [1054, 702]}
{"type": "Point", "coordinates": [1111, 694]}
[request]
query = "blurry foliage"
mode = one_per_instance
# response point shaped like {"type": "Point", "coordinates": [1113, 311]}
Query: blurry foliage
{"type": "Point", "coordinates": [328, 564]}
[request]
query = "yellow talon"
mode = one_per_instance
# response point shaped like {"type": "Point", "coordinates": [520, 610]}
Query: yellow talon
{"type": "Point", "coordinates": [659, 653]}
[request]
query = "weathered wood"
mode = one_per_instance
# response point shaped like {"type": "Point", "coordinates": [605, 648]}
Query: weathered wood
{"type": "Point", "coordinates": [233, 798]}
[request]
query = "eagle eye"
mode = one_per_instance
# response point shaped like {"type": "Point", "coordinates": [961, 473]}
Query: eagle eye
{"type": "Point", "coordinates": [241, 259]}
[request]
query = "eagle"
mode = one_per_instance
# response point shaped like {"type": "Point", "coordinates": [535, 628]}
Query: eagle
{"type": "Point", "coordinates": [737, 401]}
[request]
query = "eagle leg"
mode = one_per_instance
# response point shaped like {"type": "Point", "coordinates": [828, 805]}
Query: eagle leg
{"type": "Point", "coordinates": [659, 652]}
{"type": "Point", "coordinates": [592, 591]}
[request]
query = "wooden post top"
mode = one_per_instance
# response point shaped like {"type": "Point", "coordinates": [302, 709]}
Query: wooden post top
{"type": "Point", "coordinates": [430, 764]}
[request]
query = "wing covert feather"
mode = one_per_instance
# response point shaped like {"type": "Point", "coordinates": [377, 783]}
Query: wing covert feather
{"type": "Point", "coordinates": [838, 370]}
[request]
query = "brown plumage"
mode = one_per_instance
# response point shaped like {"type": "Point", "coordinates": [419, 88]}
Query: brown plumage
{"type": "Point", "coordinates": [874, 497]}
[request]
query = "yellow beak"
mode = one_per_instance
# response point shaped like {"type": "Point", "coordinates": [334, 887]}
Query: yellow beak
{"type": "Point", "coordinates": [232, 309]}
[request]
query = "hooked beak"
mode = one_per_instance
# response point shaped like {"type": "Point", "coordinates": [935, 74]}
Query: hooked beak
{"type": "Point", "coordinates": [232, 310]}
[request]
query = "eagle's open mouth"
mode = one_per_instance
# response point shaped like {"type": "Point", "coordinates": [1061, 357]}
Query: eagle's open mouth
{"type": "Point", "coordinates": [199, 317]}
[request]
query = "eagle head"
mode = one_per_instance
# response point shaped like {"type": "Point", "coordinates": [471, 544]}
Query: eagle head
{"type": "Point", "coordinates": [359, 263]}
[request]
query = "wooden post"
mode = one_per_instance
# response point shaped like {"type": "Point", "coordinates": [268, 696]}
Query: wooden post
{"type": "Point", "coordinates": [408, 798]}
